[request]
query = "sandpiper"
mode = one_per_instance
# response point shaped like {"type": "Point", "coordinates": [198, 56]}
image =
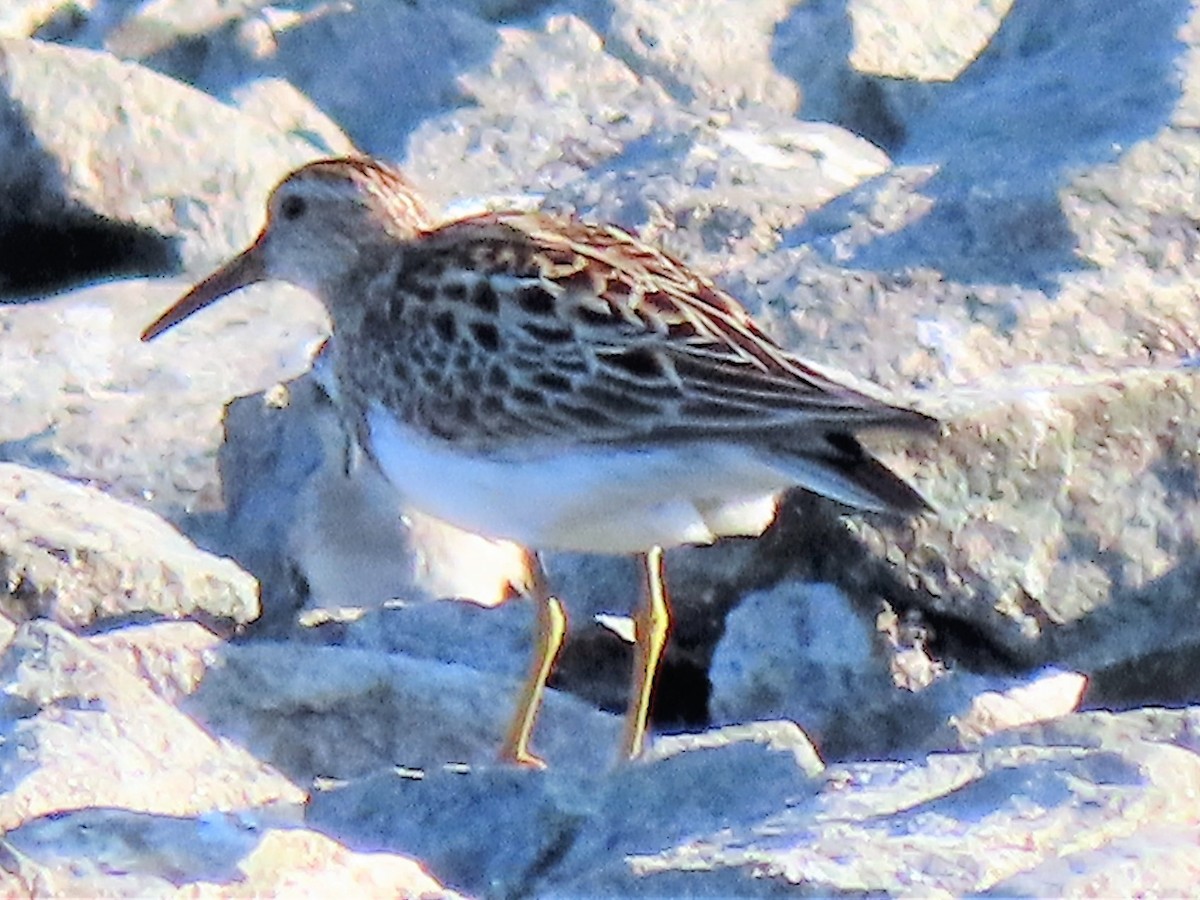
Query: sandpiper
{"type": "Point", "coordinates": [557, 384]}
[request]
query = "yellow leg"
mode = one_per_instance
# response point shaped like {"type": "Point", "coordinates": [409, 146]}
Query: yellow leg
{"type": "Point", "coordinates": [550, 629]}
{"type": "Point", "coordinates": [652, 624]}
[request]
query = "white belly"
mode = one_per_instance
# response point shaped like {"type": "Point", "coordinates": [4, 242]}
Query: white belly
{"type": "Point", "coordinates": [596, 499]}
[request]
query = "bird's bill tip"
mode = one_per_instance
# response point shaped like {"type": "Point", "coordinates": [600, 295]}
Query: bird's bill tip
{"type": "Point", "coordinates": [241, 271]}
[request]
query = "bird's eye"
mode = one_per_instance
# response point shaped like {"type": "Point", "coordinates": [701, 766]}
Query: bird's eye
{"type": "Point", "coordinates": [292, 207]}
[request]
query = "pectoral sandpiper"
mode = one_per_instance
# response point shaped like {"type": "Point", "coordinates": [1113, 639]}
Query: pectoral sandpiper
{"type": "Point", "coordinates": [556, 384]}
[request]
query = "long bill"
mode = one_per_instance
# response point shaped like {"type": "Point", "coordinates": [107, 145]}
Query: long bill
{"type": "Point", "coordinates": [244, 269]}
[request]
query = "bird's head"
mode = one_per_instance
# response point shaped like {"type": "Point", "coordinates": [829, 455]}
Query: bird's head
{"type": "Point", "coordinates": [321, 221]}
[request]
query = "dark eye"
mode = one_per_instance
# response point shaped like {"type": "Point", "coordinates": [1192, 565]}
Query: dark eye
{"type": "Point", "coordinates": [292, 207]}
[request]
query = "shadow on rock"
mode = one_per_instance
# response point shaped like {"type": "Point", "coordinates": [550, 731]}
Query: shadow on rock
{"type": "Point", "coordinates": [1046, 98]}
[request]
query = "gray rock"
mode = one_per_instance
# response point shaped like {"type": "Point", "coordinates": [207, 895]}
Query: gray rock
{"type": "Point", "coordinates": [120, 853]}
{"type": "Point", "coordinates": [107, 789]}
{"type": "Point", "coordinates": [173, 849]}
{"type": "Point", "coordinates": [947, 824]}
{"type": "Point", "coordinates": [741, 821]}
{"type": "Point", "coordinates": [480, 829]}
{"type": "Point", "coordinates": [992, 796]}
{"type": "Point", "coordinates": [781, 735]}
{"type": "Point", "coordinates": [931, 42]}
{"type": "Point", "coordinates": [860, 65]}
{"type": "Point", "coordinates": [21, 18]}
{"type": "Point", "coordinates": [336, 712]}
{"type": "Point", "coordinates": [496, 640]}
{"type": "Point", "coordinates": [1104, 730]}
{"type": "Point", "coordinates": [83, 24]}
{"type": "Point", "coordinates": [280, 104]}
{"type": "Point", "coordinates": [710, 183]}
{"type": "Point", "coordinates": [1154, 861]}
{"type": "Point", "coordinates": [802, 652]}
{"type": "Point", "coordinates": [169, 658]}
{"type": "Point", "coordinates": [1051, 695]}
{"type": "Point", "coordinates": [85, 399]}
{"type": "Point", "coordinates": [81, 730]}
{"type": "Point", "coordinates": [339, 56]}
{"type": "Point", "coordinates": [715, 53]}
{"type": "Point", "coordinates": [676, 800]}
{"type": "Point", "coordinates": [73, 554]}
{"type": "Point", "coordinates": [297, 860]}
{"type": "Point", "coordinates": [1086, 552]}
{"type": "Point", "coordinates": [777, 642]}
{"type": "Point", "coordinates": [75, 125]}
{"type": "Point", "coordinates": [558, 824]}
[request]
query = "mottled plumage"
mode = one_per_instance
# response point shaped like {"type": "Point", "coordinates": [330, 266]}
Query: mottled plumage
{"type": "Point", "coordinates": [555, 383]}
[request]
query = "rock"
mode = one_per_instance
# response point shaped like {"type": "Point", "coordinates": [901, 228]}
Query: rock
{"type": "Point", "coordinates": [591, 107]}
{"type": "Point", "coordinates": [802, 652]}
{"type": "Point", "coordinates": [864, 66]}
{"type": "Point", "coordinates": [301, 861]}
{"type": "Point", "coordinates": [21, 18]}
{"type": "Point", "coordinates": [1046, 172]}
{"type": "Point", "coordinates": [712, 186]}
{"type": "Point", "coordinates": [779, 735]}
{"type": "Point", "coordinates": [496, 640]}
{"type": "Point", "coordinates": [172, 849]}
{"type": "Point", "coordinates": [170, 658]}
{"type": "Point", "coordinates": [83, 731]}
{"type": "Point", "coordinates": [475, 829]}
{"type": "Point", "coordinates": [336, 55]}
{"type": "Point", "coordinates": [715, 53]}
{"type": "Point", "coordinates": [156, 26]}
{"type": "Point", "coordinates": [1154, 861]}
{"type": "Point", "coordinates": [928, 42]}
{"type": "Point", "coordinates": [278, 103]}
{"type": "Point", "coordinates": [1072, 521]}
{"type": "Point", "coordinates": [800, 655]}
{"type": "Point", "coordinates": [107, 789]}
{"type": "Point", "coordinates": [558, 822]}
{"type": "Point", "coordinates": [76, 122]}
{"type": "Point", "coordinates": [112, 852]}
{"type": "Point", "coordinates": [865, 826]}
{"type": "Point", "coordinates": [336, 712]}
{"type": "Point", "coordinates": [85, 399]}
{"type": "Point", "coordinates": [954, 832]}
{"type": "Point", "coordinates": [1052, 695]}
{"type": "Point", "coordinates": [8, 629]}
{"type": "Point", "coordinates": [73, 554]}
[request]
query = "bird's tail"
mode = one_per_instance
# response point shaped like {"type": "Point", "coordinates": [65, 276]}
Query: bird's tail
{"type": "Point", "coordinates": [839, 467]}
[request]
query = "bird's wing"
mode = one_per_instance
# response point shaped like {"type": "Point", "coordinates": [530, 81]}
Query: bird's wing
{"type": "Point", "coordinates": [612, 340]}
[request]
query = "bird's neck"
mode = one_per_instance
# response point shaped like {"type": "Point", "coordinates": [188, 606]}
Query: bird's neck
{"type": "Point", "coordinates": [346, 292]}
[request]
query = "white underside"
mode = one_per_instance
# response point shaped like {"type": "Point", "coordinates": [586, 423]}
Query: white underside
{"type": "Point", "coordinates": [595, 499]}
{"type": "Point", "coordinates": [598, 500]}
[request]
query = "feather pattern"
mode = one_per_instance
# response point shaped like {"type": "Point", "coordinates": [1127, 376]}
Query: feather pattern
{"type": "Point", "coordinates": [602, 338]}
{"type": "Point", "coordinates": [525, 335]}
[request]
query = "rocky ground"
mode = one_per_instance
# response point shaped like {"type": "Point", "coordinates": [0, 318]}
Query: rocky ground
{"type": "Point", "coordinates": [230, 668]}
